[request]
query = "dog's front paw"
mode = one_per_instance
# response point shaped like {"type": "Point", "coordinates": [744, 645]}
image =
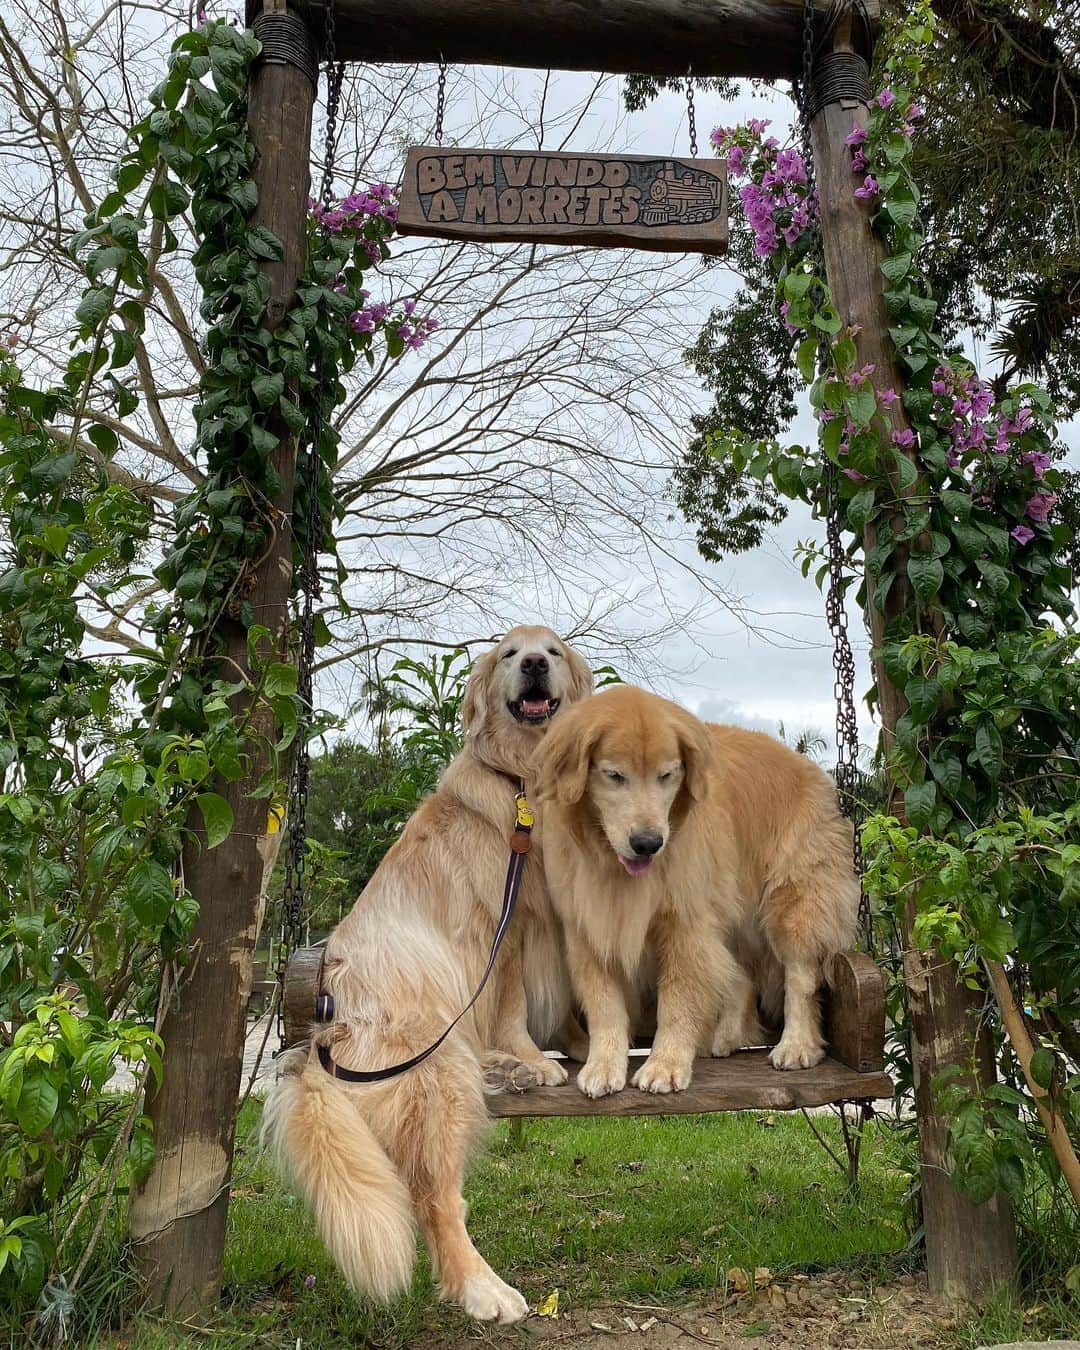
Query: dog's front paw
{"type": "Point", "coordinates": [797, 1052]}
{"type": "Point", "coordinates": [489, 1299]}
{"type": "Point", "coordinates": [663, 1073]}
{"type": "Point", "coordinates": [601, 1077]}
{"type": "Point", "coordinates": [547, 1072]}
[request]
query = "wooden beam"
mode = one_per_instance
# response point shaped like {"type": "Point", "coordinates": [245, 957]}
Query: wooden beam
{"type": "Point", "coordinates": [748, 38]}
{"type": "Point", "coordinates": [177, 1216]}
{"type": "Point", "coordinates": [970, 1249]}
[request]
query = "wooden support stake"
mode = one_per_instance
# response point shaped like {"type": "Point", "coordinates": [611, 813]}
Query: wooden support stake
{"type": "Point", "coordinates": [1021, 1043]}
{"type": "Point", "coordinates": [971, 1249]}
{"type": "Point", "coordinates": [177, 1217]}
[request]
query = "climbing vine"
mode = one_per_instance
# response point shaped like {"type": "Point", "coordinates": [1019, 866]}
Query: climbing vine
{"type": "Point", "coordinates": [954, 500]}
{"type": "Point", "coordinates": [104, 760]}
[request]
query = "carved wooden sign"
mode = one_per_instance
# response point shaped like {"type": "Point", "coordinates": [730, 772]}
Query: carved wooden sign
{"type": "Point", "coordinates": [617, 201]}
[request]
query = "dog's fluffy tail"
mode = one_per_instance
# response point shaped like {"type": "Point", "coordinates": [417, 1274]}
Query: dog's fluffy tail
{"type": "Point", "coordinates": [360, 1202]}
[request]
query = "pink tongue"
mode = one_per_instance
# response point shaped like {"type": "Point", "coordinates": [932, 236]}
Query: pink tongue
{"type": "Point", "coordinates": [635, 866]}
{"type": "Point", "coordinates": [534, 707]}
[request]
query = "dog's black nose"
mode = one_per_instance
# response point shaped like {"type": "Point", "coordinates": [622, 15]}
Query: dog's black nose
{"type": "Point", "coordinates": [534, 665]}
{"type": "Point", "coordinates": [646, 842]}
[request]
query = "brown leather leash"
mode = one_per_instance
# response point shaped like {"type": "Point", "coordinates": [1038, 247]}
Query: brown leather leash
{"type": "Point", "coordinates": [520, 844]}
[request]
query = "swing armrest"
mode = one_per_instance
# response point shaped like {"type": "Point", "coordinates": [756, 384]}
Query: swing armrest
{"type": "Point", "coordinates": [854, 1012]}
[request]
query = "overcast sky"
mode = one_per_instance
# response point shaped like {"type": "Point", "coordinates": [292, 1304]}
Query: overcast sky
{"type": "Point", "coordinates": [782, 672]}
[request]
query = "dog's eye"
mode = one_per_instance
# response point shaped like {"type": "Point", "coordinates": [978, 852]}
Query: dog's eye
{"type": "Point", "coordinates": [663, 777]}
{"type": "Point", "coordinates": [552, 652]}
{"type": "Point", "coordinates": [507, 655]}
{"type": "Point", "coordinates": [614, 775]}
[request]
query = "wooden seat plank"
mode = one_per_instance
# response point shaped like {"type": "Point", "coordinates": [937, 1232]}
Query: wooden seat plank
{"type": "Point", "coordinates": [743, 1081]}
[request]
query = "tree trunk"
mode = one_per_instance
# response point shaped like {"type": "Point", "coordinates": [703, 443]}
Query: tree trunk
{"type": "Point", "coordinates": [971, 1249]}
{"type": "Point", "coordinates": [177, 1217]}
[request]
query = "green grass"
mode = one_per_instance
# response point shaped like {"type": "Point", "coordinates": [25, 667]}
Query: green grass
{"type": "Point", "coordinates": [648, 1210]}
{"type": "Point", "coordinates": [599, 1209]}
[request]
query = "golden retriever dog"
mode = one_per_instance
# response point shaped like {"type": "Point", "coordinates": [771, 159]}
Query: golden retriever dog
{"type": "Point", "coordinates": [371, 1159]}
{"type": "Point", "coordinates": [704, 865]}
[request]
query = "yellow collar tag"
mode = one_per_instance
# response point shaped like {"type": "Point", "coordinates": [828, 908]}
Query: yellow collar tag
{"type": "Point", "coordinates": [525, 815]}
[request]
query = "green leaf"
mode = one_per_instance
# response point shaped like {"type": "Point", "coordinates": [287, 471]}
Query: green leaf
{"type": "Point", "coordinates": [806, 358]}
{"type": "Point", "coordinates": [919, 802]}
{"type": "Point", "coordinates": [923, 696]}
{"type": "Point", "coordinates": [168, 199]}
{"type": "Point", "coordinates": [192, 583]}
{"type": "Point", "coordinates": [926, 576]}
{"type": "Point", "coordinates": [988, 749]}
{"type": "Point", "coordinates": [36, 1105]}
{"type": "Point", "coordinates": [957, 503]}
{"type": "Point", "coordinates": [150, 893]}
{"type": "Point", "coordinates": [897, 267]}
{"type": "Point", "coordinates": [49, 473]}
{"type": "Point", "coordinates": [123, 348]}
{"type": "Point", "coordinates": [141, 1154]}
{"type": "Point", "coordinates": [268, 388]}
{"type": "Point", "coordinates": [94, 306]}
{"type": "Point", "coordinates": [861, 508]}
{"type": "Point", "coordinates": [217, 816]}
{"type": "Point", "coordinates": [280, 680]}
{"type": "Point", "coordinates": [947, 770]}
{"type": "Point", "coordinates": [1041, 1067]}
{"type": "Point", "coordinates": [108, 258]}
{"type": "Point", "coordinates": [906, 472]}
{"type": "Point", "coordinates": [264, 244]}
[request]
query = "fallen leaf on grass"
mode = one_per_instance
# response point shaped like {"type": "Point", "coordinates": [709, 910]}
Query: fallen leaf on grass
{"type": "Point", "coordinates": [648, 1324]}
{"type": "Point", "coordinates": [549, 1307]}
{"type": "Point", "coordinates": [600, 1326]}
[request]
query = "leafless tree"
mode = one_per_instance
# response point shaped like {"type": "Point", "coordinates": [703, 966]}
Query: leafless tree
{"type": "Point", "coordinates": [515, 466]}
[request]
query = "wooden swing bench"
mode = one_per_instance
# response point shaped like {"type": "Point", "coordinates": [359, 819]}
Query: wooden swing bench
{"type": "Point", "coordinates": [853, 1069]}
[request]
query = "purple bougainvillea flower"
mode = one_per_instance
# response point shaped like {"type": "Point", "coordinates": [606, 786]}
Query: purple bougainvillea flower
{"type": "Point", "coordinates": [1039, 462]}
{"type": "Point", "coordinates": [888, 396]}
{"type": "Point", "coordinates": [870, 188]}
{"type": "Point", "coordinates": [854, 475]}
{"type": "Point", "coordinates": [905, 439]}
{"type": "Point", "coordinates": [885, 99]}
{"type": "Point", "coordinates": [857, 136]}
{"type": "Point", "coordinates": [1040, 506]}
{"type": "Point", "coordinates": [1022, 534]}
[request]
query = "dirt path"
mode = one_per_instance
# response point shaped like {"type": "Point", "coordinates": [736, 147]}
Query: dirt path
{"type": "Point", "coordinates": [797, 1313]}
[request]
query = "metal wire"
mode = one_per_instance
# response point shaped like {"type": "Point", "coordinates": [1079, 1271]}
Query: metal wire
{"type": "Point", "coordinates": [691, 112]}
{"type": "Point", "coordinates": [293, 900]}
{"type": "Point", "coordinates": [846, 774]}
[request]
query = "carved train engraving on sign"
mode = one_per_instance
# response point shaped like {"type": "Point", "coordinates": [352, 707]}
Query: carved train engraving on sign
{"type": "Point", "coordinates": [617, 201]}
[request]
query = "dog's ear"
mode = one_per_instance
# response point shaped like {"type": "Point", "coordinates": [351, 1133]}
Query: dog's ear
{"type": "Point", "coordinates": [474, 705]}
{"type": "Point", "coordinates": [561, 764]}
{"type": "Point", "coordinates": [696, 746]}
{"type": "Point", "coordinates": [581, 677]}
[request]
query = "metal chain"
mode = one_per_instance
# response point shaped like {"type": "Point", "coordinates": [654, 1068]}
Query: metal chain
{"type": "Point", "coordinates": [846, 773]}
{"type": "Point", "coordinates": [293, 889]}
{"type": "Point", "coordinates": [440, 100]}
{"type": "Point", "coordinates": [691, 112]}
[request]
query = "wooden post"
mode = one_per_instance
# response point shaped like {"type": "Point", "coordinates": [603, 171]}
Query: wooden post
{"type": "Point", "coordinates": [177, 1217]}
{"type": "Point", "coordinates": [971, 1249]}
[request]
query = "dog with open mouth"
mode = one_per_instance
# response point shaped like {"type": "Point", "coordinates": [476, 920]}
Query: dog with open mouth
{"type": "Point", "coordinates": [372, 1159]}
{"type": "Point", "coordinates": [706, 867]}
